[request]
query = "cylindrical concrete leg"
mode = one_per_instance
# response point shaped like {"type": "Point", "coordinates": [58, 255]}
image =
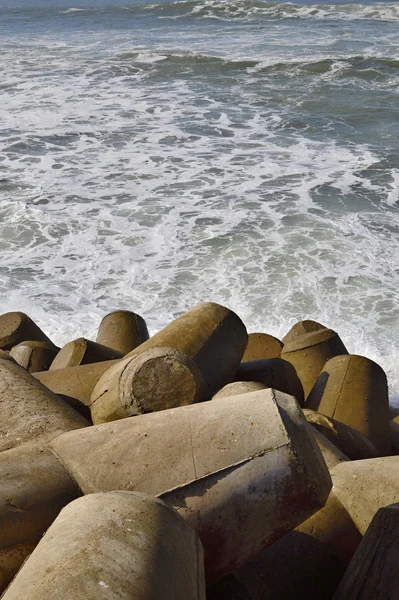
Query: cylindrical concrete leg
{"type": "Point", "coordinates": [239, 387]}
{"type": "Point", "coordinates": [116, 546]}
{"type": "Point", "coordinates": [5, 355]}
{"type": "Point", "coordinates": [29, 411]}
{"type": "Point", "coordinates": [82, 352]}
{"type": "Point", "coordinates": [213, 336]}
{"type": "Point", "coordinates": [274, 373]}
{"type": "Point", "coordinates": [34, 356]}
{"type": "Point", "coordinates": [307, 346]}
{"type": "Point", "coordinates": [373, 573]}
{"type": "Point", "coordinates": [262, 345]}
{"type": "Point", "coordinates": [241, 470]}
{"type": "Point", "coordinates": [364, 486]}
{"type": "Point", "coordinates": [305, 564]}
{"type": "Point", "coordinates": [16, 327]}
{"type": "Point", "coordinates": [331, 454]}
{"type": "Point", "coordinates": [75, 382]}
{"type": "Point", "coordinates": [354, 390]}
{"type": "Point", "coordinates": [394, 427]}
{"type": "Point", "coordinates": [34, 488]}
{"type": "Point", "coordinates": [154, 380]}
{"type": "Point", "coordinates": [122, 330]}
{"type": "Point", "coordinates": [352, 443]}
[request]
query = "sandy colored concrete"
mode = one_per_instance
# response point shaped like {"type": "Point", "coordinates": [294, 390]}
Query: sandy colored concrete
{"type": "Point", "coordinates": [394, 427]}
{"type": "Point", "coordinates": [83, 352]}
{"type": "Point", "coordinates": [153, 380]}
{"type": "Point", "coordinates": [364, 486]}
{"type": "Point", "coordinates": [241, 470]}
{"type": "Point", "coordinates": [274, 373]}
{"type": "Point", "coordinates": [307, 346]}
{"type": "Point", "coordinates": [75, 382]}
{"type": "Point", "coordinates": [305, 564]}
{"type": "Point", "coordinates": [114, 546]}
{"type": "Point", "coordinates": [122, 330]}
{"type": "Point", "coordinates": [262, 345]}
{"type": "Point", "coordinates": [373, 573]}
{"type": "Point", "coordinates": [331, 454]}
{"type": "Point", "coordinates": [29, 411]}
{"type": "Point", "coordinates": [239, 387]}
{"type": "Point", "coordinates": [5, 355]}
{"type": "Point", "coordinates": [34, 356]}
{"type": "Point", "coordinates": [34, 488]}
{"type": "Point", "coordinates": [352, 443]}
{"type": "Point", "coordinates": [353, 390]}
{"type": "Point", "coordinates": [213, 336]}
{"type": "Point", "coordinates": [16, 327]}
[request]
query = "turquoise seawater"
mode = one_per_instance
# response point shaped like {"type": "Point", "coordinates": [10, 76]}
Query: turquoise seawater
{"type": "Point", "coordinates": [154, 155]}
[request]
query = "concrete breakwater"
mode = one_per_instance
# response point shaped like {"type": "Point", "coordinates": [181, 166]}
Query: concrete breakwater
{"type": "Point", "coordinates": [201, 462]}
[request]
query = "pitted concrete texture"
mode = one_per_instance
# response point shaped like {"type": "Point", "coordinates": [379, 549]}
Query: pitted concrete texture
{"type": "Point", "coordinates": [29, 411]}
{"type": "Point", "coordinates": [83, 352]}
{"type": "Point", "coordinates": [16, 327]}
{"type": "Point", "coordinates": [353, 390]}
{"type": "Point", "coordinates": [307, 346]}
{"type": "Point", "coordinates": [262, 345]}
{"type": "Point", "coordinates": [241, 470]}
{"type": "Point", "coordinates": [122, 330]}
{"type": "Point", "coordinates": [114, 546]}
{"type": "Point", "coordinates": [153, 380]}
{"type": "Point", "coordinates": [213, 336]}
{"type": "Point", "coordinates": [364, 486]}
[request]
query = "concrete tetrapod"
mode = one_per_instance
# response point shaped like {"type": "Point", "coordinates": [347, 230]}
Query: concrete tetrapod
{"type": "Point", "coordinates": [352, 443]}
{"type": "Point", "coordinates": [307, 346]}
{"type": "Point", "coordinates": [82, 352]}
{"type": "Point", "coordinates": [331, 454]}
{"type": "Point", "coordinates": [34, 488]}
{"type": "Point", "coordinates": [241, 470]}
{"type": "Point", "coordinates": [239, 387]}
{"type": "Point", "coordinates": [153, 380]}
{"type": "Point", "coordinates": [373, 573]}
{"type": "Point", "coordinates": [364, 486]}
{"type": "Point", "coordinates": [16, 327]}
{"type": "Point", "coordinates": [34, 356]}
{"type": "Point", "coordinates": [29, 411]}
{"type": "Point", "coordinates": [213, 336]}
{"type": "Point", "coordinates": [122, 330]}
{"type": "Point", "coordinates": [272, 372]}
{"type": "Point", "coordinates": [4, 355]}
{"type": "Point", "coordinates": [307, 563]}
{"type": "Point", "coordinates": [75, 382]}
{"type": "Point", "coordinates": [262, 345]}
{"type": "Point", "coordinates": [354, 390]}
{"type": "Point", "coordinates": [114, 546]}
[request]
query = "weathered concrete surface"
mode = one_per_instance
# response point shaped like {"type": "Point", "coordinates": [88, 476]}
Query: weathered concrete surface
{"type": "Point", "coordinates": [34, 488]}
{"type": "Point", "coordinates": [373, 573]}
{"type": "Point", "coordinates": [352, 443]}
{"type": "Point", "coordinates": [241, 470]}
{"type": "Point", "coordinates": [122, 330]}
{"type": "Point", "coordinates": [75, 382]}
{"type": "Point", "coordinates": [239, 387]}
{"type": "Point", "coordinates": [331, 454]}
{"type": "Point", "coordinates": [364, 486]}
{"type": "Point", "coordinates": [305, 564]}
{"type": "Point", "coordinates": [29, 411]}
{"type": "Point", "coordinates": [262, 345]}
{"type": "Point", "coordinates": [307, 346]}
{"type": "Point", "coordinates": [213, 336]}
{"type": "Point", "coordinates": [353, 390]}
{"type": "Point", "coordinates": [34, 356]}
{"type": "Point", "coordinates": [153, 380]}
{"type": "Point", "coordinates": [5, 355]}
{"type": "Point", "coordinates": [274, 373]}
{"type": "Point", "coordinates": [114, 546]}
{"type": "Point", "coordinates": [16, 327]}
{"type": "Point", "coordinates": [83, 352]}
{"type": "Point", "coordinates": [394, 427]}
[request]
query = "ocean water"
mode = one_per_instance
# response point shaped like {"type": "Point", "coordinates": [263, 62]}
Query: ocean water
{"type": "Point", "coordinates": [158, 154]}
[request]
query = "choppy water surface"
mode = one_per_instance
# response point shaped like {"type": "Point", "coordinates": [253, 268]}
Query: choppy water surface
{"type": "Point", "coordinates": [153, 155]}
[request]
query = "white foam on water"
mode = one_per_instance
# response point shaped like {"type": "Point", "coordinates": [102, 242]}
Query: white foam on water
{"type": "Point", "coordinates": [129, 183]}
